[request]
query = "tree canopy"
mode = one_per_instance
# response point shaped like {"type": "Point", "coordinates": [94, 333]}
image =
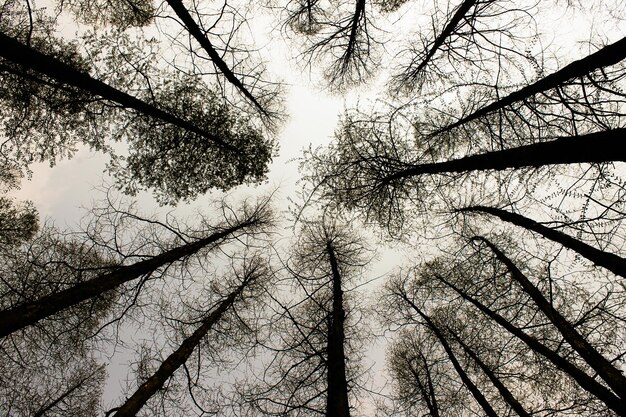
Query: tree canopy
{"type": "Point", "coordinates": [456, 248]}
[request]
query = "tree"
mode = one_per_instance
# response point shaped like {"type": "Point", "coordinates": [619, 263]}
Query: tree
{"type": "Point", "coordinates": [53, 102]}
{"type": "Point", "coordinates": [248, 284]}
{"type": "Point", "coordinates": [423, 380]}
{"type": "Point", "coordinates": [583, 68]}
{"type": "Point", "coordinates": [30, 311]}
{"type": "Point", "coordinates": [341, 36]}
{"type": "Point", "coordinates": [314, 367]}
{"type": "Point", "coordinates": [195, 31]}
{"type": "Point", "coordinates": [611, 375]}
{"type": "Point", "coordinates": [49, 369]}
{"type": "Point", "coordinates": [459, 34]}
{"type": "Point", "coordinates": [430, 288]}
{"type": "Point", "coordinates": [241, 153]}
{"type": "Point", "coordinates": [47, 386]}
{"type": "Point", "coordinates": [373, 172]}
{"type": "Point", "coordinates": [610, 261]}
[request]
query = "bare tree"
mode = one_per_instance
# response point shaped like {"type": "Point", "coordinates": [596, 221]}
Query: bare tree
{"type": "Point", "coordinates": [429, 289]}
{"type": "Point", "coordinates": [584, 68]}
{"type": "Point", "coordinates": [610, 261]}
{"type": "Point", "coordinates": [464, 37]}
{"type": "Point", "coordinates": [30, 310]}
{"type": "Point", "coordinates": [247, 284]}
{"type": "Point", "coordinates": [313, 371]}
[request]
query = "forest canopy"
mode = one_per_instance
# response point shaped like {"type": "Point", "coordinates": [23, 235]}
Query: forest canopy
{"type": "Point", "coordinates": [456, 248]}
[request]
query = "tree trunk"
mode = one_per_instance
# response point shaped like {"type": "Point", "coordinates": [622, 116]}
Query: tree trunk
{"type": "Point", "coordinates": [605, 146]}
{"type": "Point", "coordinates": [194, 30]}
{"type": "Point", "coordinates": [463, 9]}
{"type": "Point", "coordinates": [473, 389]}
{"type": "Point", "coordinates": [337, 404]}
{"type": "Point", "coordinates": [609, 55]}
{"type": "Point", "coordinates": [502, 389]}
{"type": "Point", "coordinates": [42, 411]}
{"type": "Point", "coordinates": [584, 380]}
{"type": "Point", "coordinates": [21, 54]}
{"type": "Point", "coordinates": [29, 313]}
{"type": "Point", "coordinates": [612, 262]}
{"type": "Point", "coordinates": [174, 361]}
{"type": "Point", "coordinates": [611, 375]}
{"type": "Point", "coordinates": [428, 393]}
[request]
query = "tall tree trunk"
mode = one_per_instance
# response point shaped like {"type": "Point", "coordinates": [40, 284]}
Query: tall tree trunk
{"type": "Point", "coordinates": [21, 54]}
{"type": "Point", "coordinates": [473, 389]}
{"type": "Point", "coordinates": [609, 55]}
{"type": "Point", "coordinates": [585, 381]}
{"type": "Point", "coordinates": [502, 389]}
{"type": "Point", "coordinates": [174, 361]}
{"type": "Point", "coordinates": [605, 146]}
{"type": "Point", "coordinates": [450, 27]}
{"type": "Point", "coordinates": [612, 262]}
{"type": "Point", "coordinates": [29, 313]}
{"type": "Point", "coordinates": [427, 392]}
{"type": "Point", "coordinates": [611, 375]}
{"type": "Point", "coordinates": [78, 384]}
{"type": "Point", "coordinates": [337, 404]}
{"type": "Point", "coordinates": [194, 30]}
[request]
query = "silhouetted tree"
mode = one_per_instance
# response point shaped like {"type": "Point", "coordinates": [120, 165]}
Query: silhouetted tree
{"type": "Point", "coordinates": [474, 277]}
{"type": "Point", "coordinates": [314, 368]}
{"type": "Point", "coordinates": [29, 309]}
{"type": "Point", "coordinates": [610, 261]}
{"type": "Point", "coordinates": [244, 284]}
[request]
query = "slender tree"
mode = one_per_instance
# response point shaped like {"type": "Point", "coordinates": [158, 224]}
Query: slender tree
{"type": "Point", "coordinates": [373, 172]}
{"type": "Point", "coordinates": [27, 57]}
{"type": "Point", "coordinates": [195, 31]}
{"type": "Point", "coordinates": [432, 326]}
{"type": "Point", "coordinates": [29, 312]}
{"type": "Point", "coordinates": [254, 271]}
{"type": "Point", "coordinates": [172, 127]}
{"type": "Point", "coordinates": [605, 57]}
{"type": "Point", "coordinates": [610, 261]}
{"type": "Point", "coordinates": [502, 389]}
{"type": "Point", "coordinates": [481, 283]}
{"type": "Point", "coordinates": [313, 369]}
{"type": "Point", "coordinates": [612, 376]}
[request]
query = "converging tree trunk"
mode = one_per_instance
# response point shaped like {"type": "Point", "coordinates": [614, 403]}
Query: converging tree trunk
{"type": "Point", "coordinates": [21, 54]}
{"type": "Point", "coordinates": [473, 389]}
{"type": "Point", "coordinates": [194, 30]}
{"type": "Point", "coordinates": [426, 390]}
{"type": "Point", "coordinates": [29, 313]}
{"type": "Point", "coordinates": [584, 380]}
{"type": "Point", "coordinates": [502, 389]}
{"type": "Point", "coordinates": [337, 398]}
{"type": "Point", "coordinates": [611, 375]}
{"type": "Point", "coordinates": [174, 361]}
{"type": "Point", "coordinates": [450, 27]}
{"type": "Point", "coordinates": [609, 55]}
{"type": "Point", "coordinates": [596, 147]}
{"type": "Point", "coordinates": [612, 262]}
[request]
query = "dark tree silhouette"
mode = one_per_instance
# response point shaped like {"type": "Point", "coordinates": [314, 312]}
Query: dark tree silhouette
{"type": "Point", "coordinates": [605, 57]}
{"type": "Point", "coordinates": [195, 31]}
{"type": "Point", "coordinates": [612, 376]}
{"type": "Point", "coordinates": [314, 367]}
{"type": "Point", "coordinates": [29, 312]}
{"type": "Point", "coordinates": [468, 29]}
{"type": "Point", "coordinates": [430, 287]}
{"type": "Point", "coordinates": [252, 272]}
{"type": "Point", "coordinates": [610, 261]}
